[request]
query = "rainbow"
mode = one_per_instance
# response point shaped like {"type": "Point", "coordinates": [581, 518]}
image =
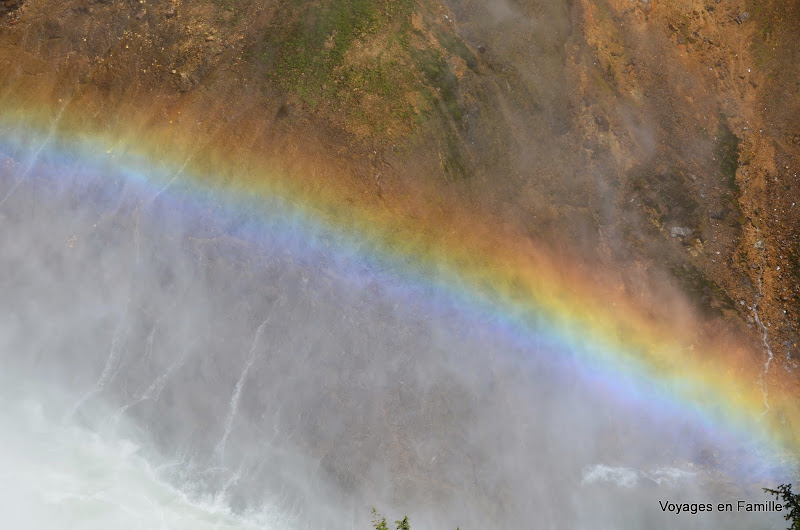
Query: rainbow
{"type": "Point", "coordinates": [425, 250]}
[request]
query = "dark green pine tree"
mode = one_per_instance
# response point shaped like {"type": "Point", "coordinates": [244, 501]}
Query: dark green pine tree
{"type": "Point", "coordinates": [791, 501]}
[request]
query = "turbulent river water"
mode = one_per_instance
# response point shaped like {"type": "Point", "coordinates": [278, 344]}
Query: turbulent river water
{"type": "Point", "coordinates": [61, 475]}
{"type": "Point", "coordinates": [170, 364]}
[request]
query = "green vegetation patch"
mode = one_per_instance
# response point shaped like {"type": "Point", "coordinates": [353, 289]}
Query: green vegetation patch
{"type": "Point", "coordinates": [727, 152]}
{"type": "Point", "coordinates": [669, 198]}
{"type": "Point", "coordinates": [453, 44]}
{"type": "Point", "coordinates": [764, 14]}
{"type": "Point", "coordinates": [707, 295]}
{"type": "Point", "coordinates": [379, 68]}
{"type": "Point", "coordinates": [365, 61]}
{"type": "Point", "coordinates": [234, 12]}
{"type": "Point", "coordinates": [442, 97]}
{"type": "Point", "coordinates": [311, 48]}
{"type": "Point", "coordinates": [437, 72]}
{"type": "Point", "coordinates": [317, 43]}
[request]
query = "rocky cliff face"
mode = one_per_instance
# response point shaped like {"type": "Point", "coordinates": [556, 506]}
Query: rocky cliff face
{"type": "Point", "coordinates": [704, 148]}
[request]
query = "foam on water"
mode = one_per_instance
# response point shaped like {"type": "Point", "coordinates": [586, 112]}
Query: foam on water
{"type": "Point", "coordinates": [57, 475]}
{"type": "Point", "coordinates": [626, 477]}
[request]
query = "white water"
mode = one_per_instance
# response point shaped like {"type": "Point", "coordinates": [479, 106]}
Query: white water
{"type": "Point", "coordinates": [764, 334]}
{"type": "Point", "coordinates": [237, 393]}
{"type": "Point", "coordinates": [55, 475]}
{"type": "Point", "coordinates": [626, 477]}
